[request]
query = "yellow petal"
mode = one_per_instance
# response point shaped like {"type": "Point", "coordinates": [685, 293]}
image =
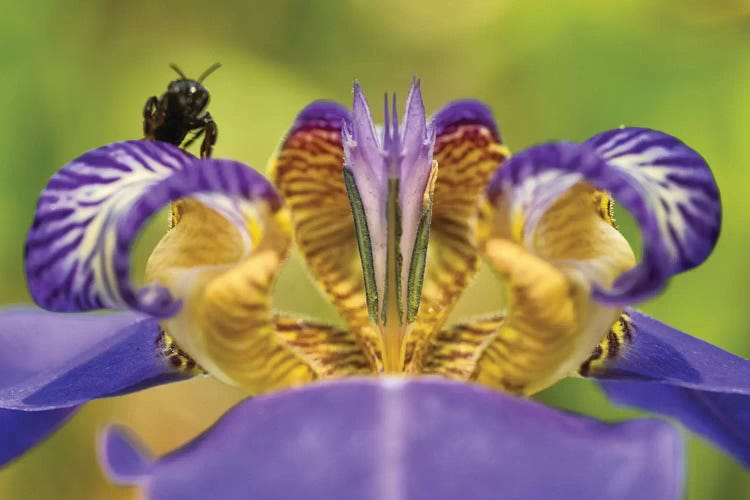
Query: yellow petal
{"type": "Point", "coordinates": [331, 352]}
{"type": "Point", "coordinates": [467, 155]}
{"type": "Point", "coordinates": [548, 271]}
{"type": "Point", "coordinates": [454, 352]}
{"type": "Point", "coordinates": [308, 172]}
{"type": "Point", "coordinates": [224, 275]}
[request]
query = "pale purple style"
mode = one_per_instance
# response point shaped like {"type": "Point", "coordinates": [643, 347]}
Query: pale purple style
{"type": "Point", "coordinates": [397, 439]}
{"type": "Point", "coordinates": [452, 436]}
{"type": "Point", "coordinates": [402, 153]}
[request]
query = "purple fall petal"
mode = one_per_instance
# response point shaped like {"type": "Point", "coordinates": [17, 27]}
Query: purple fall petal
{"type": "Point", "coordinates": [406, 439]}
{"type": "Point", "coordinates": [666, 186]}
{"type": "Point", "coordinates": [88, 215]}
{"type": "Point", "coordinates": [669, 372]}
{"type": "Point", "coordinates": [22, 430]}
{"type": "Point", "coordinates": [53, 360]}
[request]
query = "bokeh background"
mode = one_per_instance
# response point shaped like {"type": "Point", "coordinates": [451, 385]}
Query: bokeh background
{"type": "Point", "coordinates": [75, 75]}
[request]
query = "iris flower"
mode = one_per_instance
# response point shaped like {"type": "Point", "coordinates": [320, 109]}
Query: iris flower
{"type": "Point", "coordinates": [393, 223]}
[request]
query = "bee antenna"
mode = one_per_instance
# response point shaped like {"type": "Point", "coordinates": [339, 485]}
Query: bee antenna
{"type": "Point", "coordinates": [179, 72]}
{"type": "Point", "coordinates": [210, 70]}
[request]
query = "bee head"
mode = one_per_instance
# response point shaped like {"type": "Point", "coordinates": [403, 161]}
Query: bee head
{"type": "Point", "coordinates": [187, 98]}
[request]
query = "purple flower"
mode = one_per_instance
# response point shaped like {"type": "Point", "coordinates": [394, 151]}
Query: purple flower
{"type": "Point", "coordinates": [393, 223]}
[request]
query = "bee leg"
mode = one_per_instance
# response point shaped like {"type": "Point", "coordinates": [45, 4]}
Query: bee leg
{"type": "Point", "coordinates": [210, 138]}
{"type": "Point", "coordinates": [149, 110]}
{"type": "Point", "coordinates": [196, 136]}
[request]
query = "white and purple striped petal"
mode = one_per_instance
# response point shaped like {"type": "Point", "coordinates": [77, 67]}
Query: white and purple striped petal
{"type": "Point", "coordinates": [666, 186]}
{"type": "Point", "coordinates": [77, 251]}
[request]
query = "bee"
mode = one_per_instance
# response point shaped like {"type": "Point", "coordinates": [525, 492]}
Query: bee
{"type": "Point", "coordinates": [179, 111]}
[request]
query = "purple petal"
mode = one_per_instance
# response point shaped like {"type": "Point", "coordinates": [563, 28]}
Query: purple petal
{"type": "Point", "coordinates": [321, 114]}
{"type": "Point", "coordinates": [52, 360]}
{"type": "Point", "coordinates": [669, 372]}
{"type": "Point", "coordinates": [722, 418]}
{"type": "Point", "coordinates": [77, 251]}
{"type": "Point", "coordinates": [465, 112]}
{"type": "Point", "coordinates": [417, 438]}
{"type": "Point", "coordinates": [22, 430]}
{"type": "Point", "coordinates": [126, 461]}
{"type": "Point", "coordinates": [660, 353]}
{"type": "Point", "coordinates": [665, 185]}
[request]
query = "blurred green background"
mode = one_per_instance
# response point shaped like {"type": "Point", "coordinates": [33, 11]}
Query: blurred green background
{"type": "Point", "coordinates": [75, 75]}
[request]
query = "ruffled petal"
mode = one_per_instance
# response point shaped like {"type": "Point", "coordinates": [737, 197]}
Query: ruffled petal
{"type": "Point", "coordinates": [308, 172]}
{"type": "Point", "coordinates": [52, 360]}
{"type": "Point", "coordinates": [22, 430]}
{"type": "Point", "coordinates": [552, 221]}
{"type": "Point", "coordinates": [663, 370]}
{"type": "Point", "coordinates": [77, 251]}
{"type": "Point", "coordinates": [468, 149]}
{"type": "Point", "coordinates": [671, 192]}
{"type": "Point", "coordinates": [392, 438]}
{"type": "Point", "coordinates": [666, 186]}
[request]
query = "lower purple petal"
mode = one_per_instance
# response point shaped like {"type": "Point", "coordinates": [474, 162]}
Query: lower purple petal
{"type": "Point", "coordinates": [669, 372]}
{"type": "Point", "coordinates": [21, 430]}
{"type": "Point", "coordinates": [722, 418]}
{"type": "Point", "coordinates": [416, 438]}
{"type": "Point", "coordinates": [53, 360]}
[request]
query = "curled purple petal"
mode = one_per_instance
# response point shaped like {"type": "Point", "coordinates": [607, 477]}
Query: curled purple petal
{"type": "Point", "coordinates": [666, 186]}
{"type": "Point", "coordinates": [77, 250]}
{"type": "Point", "coordinates": [418, 438]}
{"type": "Point", "coordinates": [53, 360]}
{"type": "Point", "coordinates": [22, 430]}
{"type": "Point", "coordinates": [666, 371]}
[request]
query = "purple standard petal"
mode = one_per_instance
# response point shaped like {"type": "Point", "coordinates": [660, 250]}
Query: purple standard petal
{"type": "Point", "coordinates": [465, 112]}
{"type": "Point", "coordinates": [77, 251]}
{"type": "Point", "coordinates": [666, 186]}
{"type": "Point", "coordinates": [403, 439]}
{"type": "Point", "coordinates": [22, 430]}
{"type": "Point", "coordinates": [52, 360]}
{"type": "Point", "coordinates": [325, 115]}
{"type": "Point", "coordinates": [669, 372]}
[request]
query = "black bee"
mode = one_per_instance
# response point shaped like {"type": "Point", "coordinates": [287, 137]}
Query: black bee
{"type": "Point", "coordinates": [179, 111]}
